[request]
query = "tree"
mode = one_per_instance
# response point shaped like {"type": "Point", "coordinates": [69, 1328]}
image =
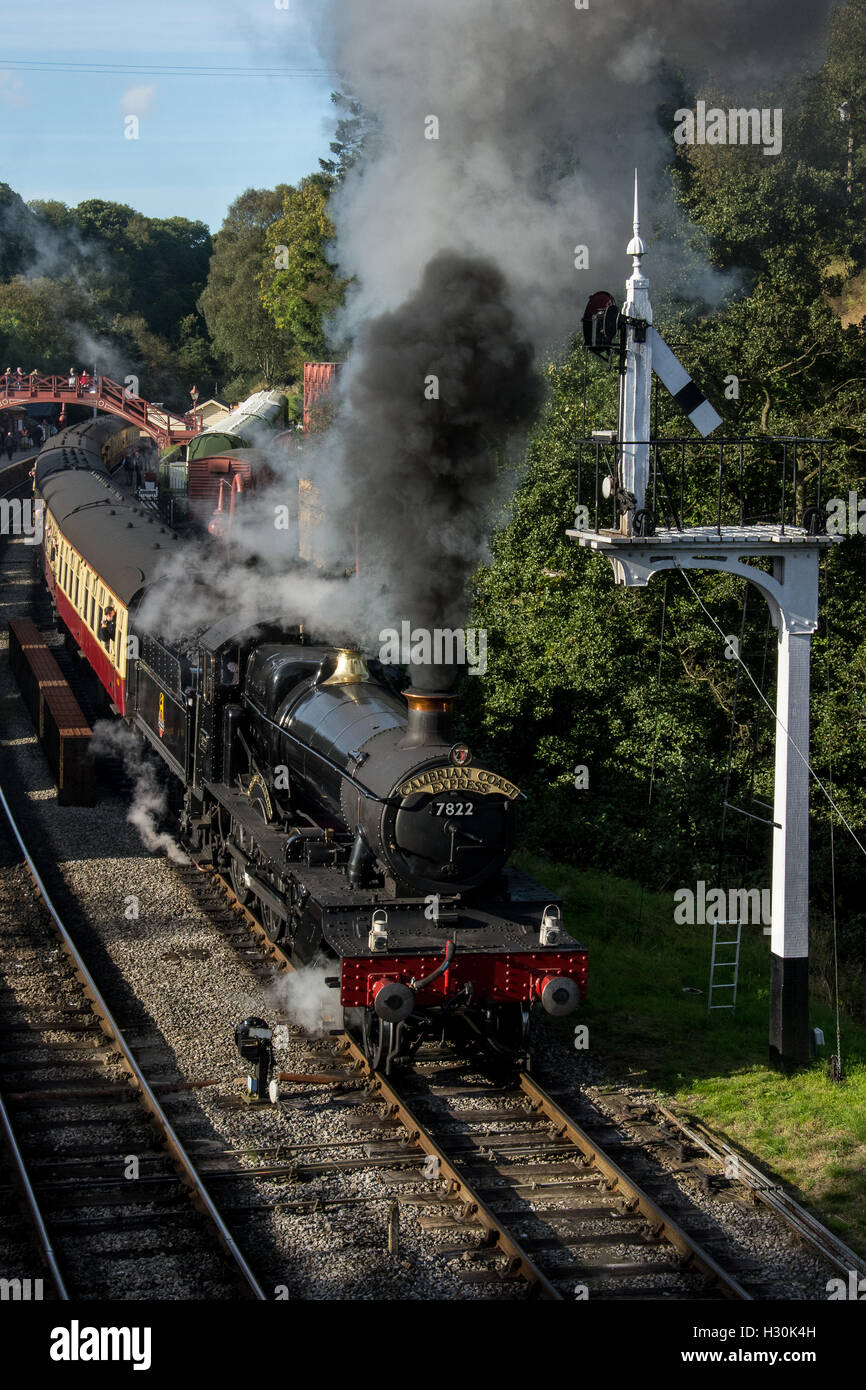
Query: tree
{"type": "Point", "coordinates": [168, 269]}
{"type": "Point", "coordinates": [300, 286]}
{"type": "Point", "coordinates": [243, 333]}
{"type": "Point", "coordinates": [42, 321]}
{"type": "Point", "coordinates": [17, 233]}
{"type": "Point", "coordinates": [104, 222]}
{"type": "Point", "coordinates": [52, 212]}
{"type": "Point", "coordinates": [573, 660]}
{"type": "Point", "coordinates": [354, 130]}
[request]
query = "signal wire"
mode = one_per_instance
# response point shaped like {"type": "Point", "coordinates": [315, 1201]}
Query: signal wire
{"type": "Point", "coordinates": [798, 751]}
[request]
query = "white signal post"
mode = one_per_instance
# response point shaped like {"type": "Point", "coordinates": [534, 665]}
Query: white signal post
{"type": "Point", "coordinates": [791, 591]}
{"type": "Point", "coordinates": [636, 385]}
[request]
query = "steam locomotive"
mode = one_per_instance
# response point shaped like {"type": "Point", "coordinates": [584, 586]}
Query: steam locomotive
{"type": "Point", "coordinates": [342, 811]}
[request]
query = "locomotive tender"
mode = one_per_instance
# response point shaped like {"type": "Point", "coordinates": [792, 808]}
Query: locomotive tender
{"type": "Point", "coordinates": [342, 812]}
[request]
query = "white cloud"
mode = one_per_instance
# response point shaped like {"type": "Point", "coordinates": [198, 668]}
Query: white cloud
{"type": "Point", "coordinates": [12, 89]}
{"type": "Point", "coordinates": [138, 101]}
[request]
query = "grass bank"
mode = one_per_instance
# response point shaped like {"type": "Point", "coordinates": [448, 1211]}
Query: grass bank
{"type": "Point", "coordinates": [649, 1027]}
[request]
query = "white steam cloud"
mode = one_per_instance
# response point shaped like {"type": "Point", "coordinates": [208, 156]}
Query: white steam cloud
{"type": "Point", "coordinates": [309, 1002]}
{"type": "Point", "coordinates": [148, 798]}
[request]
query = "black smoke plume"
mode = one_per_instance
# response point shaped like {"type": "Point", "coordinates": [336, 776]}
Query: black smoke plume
{"type": "Point", "coordinates": [439, 390]}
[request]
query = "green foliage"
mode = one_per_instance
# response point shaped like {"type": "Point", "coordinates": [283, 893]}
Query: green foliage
{"type": "Point", "coordinates": [162, 300]}
{"type": "Point", "coordinates": [576, 674]}
{"type": "Point", "coordinates": [244, 335]}
{"type": "Point", "coordinates": [102, 281]}
{"type": "Point", "coordinates": [300, 286]}
{"type": "Point", "coordinates": [351, 137]}
{"type": "Point", "coordinates": [36, 321]}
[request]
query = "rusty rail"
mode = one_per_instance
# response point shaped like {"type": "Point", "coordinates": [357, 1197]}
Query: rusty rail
{"type": "Point", "coordinates": [637, 1199]}
{"type": "Point", "coordinates": [521, 1266]}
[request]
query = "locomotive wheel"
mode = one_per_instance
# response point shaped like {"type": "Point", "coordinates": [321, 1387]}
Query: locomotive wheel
{"type": "Point", "coordinates": [381, 1041]}
{"type": "Point", "coordinates": [236, 876]}
{"type": "Point", "coordinates": [274, 926]}
{"type": "Point", "coordinates": [510, 1033]}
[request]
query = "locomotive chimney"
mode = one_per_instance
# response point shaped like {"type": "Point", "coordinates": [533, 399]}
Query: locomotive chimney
{"type": "Point", "coordinates": [429, 717]}
{"type": "Point", "coordinates": [430, 698]}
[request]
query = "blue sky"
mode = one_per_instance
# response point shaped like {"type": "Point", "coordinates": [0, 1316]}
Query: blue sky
{"type": "Point", "coordinates": [202, 139]}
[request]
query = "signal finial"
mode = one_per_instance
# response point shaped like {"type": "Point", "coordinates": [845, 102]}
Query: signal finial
{"type": "Point", "coordinates": [637, 246]}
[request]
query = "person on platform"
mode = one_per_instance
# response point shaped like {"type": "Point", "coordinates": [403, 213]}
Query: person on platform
{"type": "Point", "coordinates": [9, 443]}
{"type": "Point", "coordinates": [85, 380]}
{"type": "Point", "coordinates": [72, 378]}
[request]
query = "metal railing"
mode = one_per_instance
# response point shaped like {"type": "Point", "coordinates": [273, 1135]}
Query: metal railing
{"type": "Point", "coordinates": [767, 479]}
{"type": "Point", "coordinates": [100, 392]}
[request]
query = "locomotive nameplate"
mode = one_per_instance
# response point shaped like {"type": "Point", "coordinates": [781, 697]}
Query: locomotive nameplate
{"type": "Point", "coordinates": [460, 779]}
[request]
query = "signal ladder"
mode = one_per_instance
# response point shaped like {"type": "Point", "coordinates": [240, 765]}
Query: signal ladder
{"type": "Point", "coordinates": [718, 980]}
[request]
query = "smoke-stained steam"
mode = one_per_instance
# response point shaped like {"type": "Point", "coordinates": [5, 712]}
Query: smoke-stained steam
{"type": "Point", "coordinates": [541, 110]}
{"type": "Point", "coordinates": [437, 389]}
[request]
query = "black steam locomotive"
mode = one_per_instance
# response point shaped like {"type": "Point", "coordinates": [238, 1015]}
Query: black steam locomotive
{"type": "Point", "coordinates": [342, 811]}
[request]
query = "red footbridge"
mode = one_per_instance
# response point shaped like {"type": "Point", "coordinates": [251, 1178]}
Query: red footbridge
{"type": "Point", "coordinates": [103, 394]}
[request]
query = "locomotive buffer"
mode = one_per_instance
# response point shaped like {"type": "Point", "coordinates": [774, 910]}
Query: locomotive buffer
{"type": "Point", "coordinates": [637, 549]}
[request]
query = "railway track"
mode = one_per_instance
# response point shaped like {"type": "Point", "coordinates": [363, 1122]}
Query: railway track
{"type": "Point", "coordinates": [91, 1146]}
{"type": "Point", "coordinates": [522, 1195]}
{"type": "Point", "coordinates": [567, 1203]}
{"type": "Point", "coordinates": [538, 1197]}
